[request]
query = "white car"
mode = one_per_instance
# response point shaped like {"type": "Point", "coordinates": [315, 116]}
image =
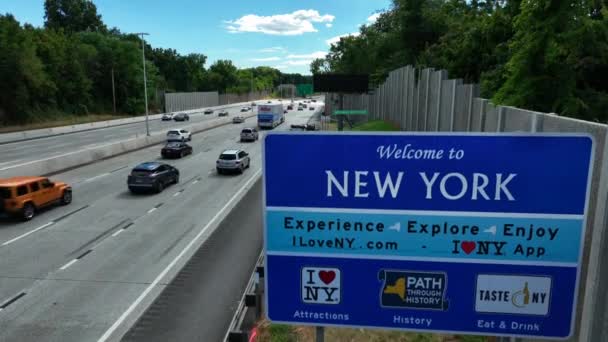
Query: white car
{"type": "Point", "coordinates": [167, 117]}
{"type": "Point", "coordinates": [232, 160]}
{"type": "Point", "coordinates": [238, 119]}
{"type": "Point", "coordinates": [179, 135]}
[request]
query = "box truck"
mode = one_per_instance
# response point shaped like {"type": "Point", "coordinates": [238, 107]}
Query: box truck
{"type": "Point", "coordinates": [270, 115]}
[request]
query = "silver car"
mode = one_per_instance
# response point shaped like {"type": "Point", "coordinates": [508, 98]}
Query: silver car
{"type": "Point", "coordinates": [238, 119]}
{"type": "Point", "coordinates": [249, 134]}
{"type": "Point", "coordinates": [232, 161]}
{"type": "Point", "coordinates": [179, 135]}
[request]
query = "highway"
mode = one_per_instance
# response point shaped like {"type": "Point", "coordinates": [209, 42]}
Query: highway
{"type": "Point", "coordinates": [87, 271]}
{"type": "Point", "coordinates": [23, 151]}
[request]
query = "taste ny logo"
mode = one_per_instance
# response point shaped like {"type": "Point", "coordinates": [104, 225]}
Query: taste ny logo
{"type": "Point", "coordinates": [321, 285]}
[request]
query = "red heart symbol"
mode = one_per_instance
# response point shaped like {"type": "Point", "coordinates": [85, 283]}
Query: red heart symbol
{"type": "Point", "coordinates": [327, 276]}
{"type": "Point", "coordinates": [468, 246]}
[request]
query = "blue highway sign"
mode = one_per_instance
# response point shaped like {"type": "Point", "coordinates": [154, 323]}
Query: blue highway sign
{"type": "Point", "coordinates": [457, 233]}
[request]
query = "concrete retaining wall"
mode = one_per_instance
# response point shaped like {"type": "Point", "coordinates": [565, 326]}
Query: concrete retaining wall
{"type": "Point", "coordinates": [185, 101]}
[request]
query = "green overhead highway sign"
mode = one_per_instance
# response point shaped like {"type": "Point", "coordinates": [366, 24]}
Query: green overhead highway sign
{"type": "Point", "coordinates": [350, 112]}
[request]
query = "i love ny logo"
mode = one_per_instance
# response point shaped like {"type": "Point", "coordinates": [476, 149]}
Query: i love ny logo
{"type": "Point", "coordinates": [321, 285]}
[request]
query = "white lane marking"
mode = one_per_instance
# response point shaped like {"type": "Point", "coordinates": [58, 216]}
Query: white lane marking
{"type": "Point", "coordinates": [96, 177]}
{"type": "Point", "coordinates": [196, 181]}
{"type": "Point", "coordinates": [117, 232]}
{"type": "Point", "coordinates": [166, 270]}
{"type": "Point", "coordinates": [26, 234]}
{"type": "Point", "coordinates": [11, 161]}
{"type": "Point", "coordinates": [152, 210]}
{"type": "Point", "coordinates": [177, 194]}
{"type": "Point", "coordinates": [68, 264]}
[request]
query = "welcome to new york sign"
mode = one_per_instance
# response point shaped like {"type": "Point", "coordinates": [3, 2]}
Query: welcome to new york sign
{"type": "Point", "coordinates": [462, 233]}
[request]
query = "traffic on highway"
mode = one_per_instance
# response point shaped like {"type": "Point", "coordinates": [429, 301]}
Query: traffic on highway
{"type": "Point", "coordinates": [92, 246]}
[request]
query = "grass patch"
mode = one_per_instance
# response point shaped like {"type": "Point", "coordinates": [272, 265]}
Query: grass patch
{"type": "Point", "coordinates": [286, 333]}
{"type": "Point", "coordinates": [371, 126]}
{"type": "Point", "coordinates": [65, 120]}
{"type": "Point", "coordinates": [376, 126]}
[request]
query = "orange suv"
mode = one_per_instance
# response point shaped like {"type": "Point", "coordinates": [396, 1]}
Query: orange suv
{"type": "Point", "coordinates": [22, 196]}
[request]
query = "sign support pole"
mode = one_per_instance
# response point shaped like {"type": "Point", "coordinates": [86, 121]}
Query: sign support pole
{"type": "Point", "coordinates": [320, 334]}
{"type": "Point", "coordinates": [341, 117]}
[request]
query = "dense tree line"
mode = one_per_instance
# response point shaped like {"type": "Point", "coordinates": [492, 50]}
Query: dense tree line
{"type": "Point", "coordinates": [546, 55]}
{"type": "Point", "coordinates": [71, 64]}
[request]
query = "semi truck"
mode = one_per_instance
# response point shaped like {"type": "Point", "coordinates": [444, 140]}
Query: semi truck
{"type": "Point", "coordinates": [270, 115]}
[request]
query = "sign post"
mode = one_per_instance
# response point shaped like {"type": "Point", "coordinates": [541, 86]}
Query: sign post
{"type": "Point", "coordinates": [434, 232]}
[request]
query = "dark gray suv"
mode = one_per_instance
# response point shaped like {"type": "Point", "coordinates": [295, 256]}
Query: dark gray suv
{"type": "Point", "coordinates": [152, 176]}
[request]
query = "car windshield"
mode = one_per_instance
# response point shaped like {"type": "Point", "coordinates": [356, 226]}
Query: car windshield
{"type": "Point", "coordinates": [141, 172]}
{"type": "Point", "coordinates": [228, 156]}
{"type": "Point", "coordinates": [246, 130]}
{"type": "Point", "coordinates": [5, 193]}
{"type": "Point", "coordinates": [173, 132]}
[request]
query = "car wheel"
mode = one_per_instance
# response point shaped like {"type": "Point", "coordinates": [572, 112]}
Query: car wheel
{"type": "Point", "coordinates": [241, 169]}
{"type": "Point", "coordinates": [176, 180]}
{"type": "Point", "coordinates": [66, 198]}
{"type": "Point", "coordinates": [219, 171]}
{"type": "Point", "coordinates": [159, 187]}
{"type": "Point", "coordinates": [181, 154]}
{"type": "Point", "coordinates": [28, 211]}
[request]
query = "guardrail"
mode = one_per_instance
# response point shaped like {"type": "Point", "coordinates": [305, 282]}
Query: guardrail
{"type": "Point", "coordinates": [250, 309]}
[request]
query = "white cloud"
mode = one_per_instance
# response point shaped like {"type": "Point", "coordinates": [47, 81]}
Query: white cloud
{"type": "Point", "coordinates": [328, 25]}
{"type": "Point", "coordinates": [372, 18]}
{"type": "Point", "coordinates": [334, 40]}
{"type": "Point", "coordinates": [299, 62]}
{"type": "Point", "coordinates": [281, 66]}
{"type": "Point", "coordinates": [273, 49]}
{"type": "Point", "coordinates": [311, 56]}
{"type": "Point", "coordinates": [267, 59]}
{"type": "Point", "coordinates": [292, 24]}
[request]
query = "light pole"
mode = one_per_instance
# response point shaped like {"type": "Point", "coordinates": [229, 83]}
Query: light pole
{"type": "Point", "coordinates": [143, 58]}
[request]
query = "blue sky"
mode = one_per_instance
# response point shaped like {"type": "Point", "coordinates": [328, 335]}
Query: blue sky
{"type": "Point", "coordinates": [286, 34]}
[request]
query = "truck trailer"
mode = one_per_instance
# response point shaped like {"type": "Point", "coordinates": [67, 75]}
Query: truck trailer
{"type": "Point", "coordinates": [270, 115]}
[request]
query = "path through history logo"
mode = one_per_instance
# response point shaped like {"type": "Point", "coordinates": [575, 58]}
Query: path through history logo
{"type": "Point", "coordinates": [413, 290]}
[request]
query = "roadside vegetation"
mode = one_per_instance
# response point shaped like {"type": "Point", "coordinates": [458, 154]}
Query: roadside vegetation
{"type": "Point", "coordinates": [544, 55]}
{"type": "Point", "coordinates": [66, 68]}
{"type": "Point", "coordinates": [285, 333]}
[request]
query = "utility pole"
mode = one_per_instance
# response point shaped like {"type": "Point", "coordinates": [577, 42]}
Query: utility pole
{"type": "Point", "coordinates": [113, 92]}
{"type": "Point", "coordinates": [143, 58]}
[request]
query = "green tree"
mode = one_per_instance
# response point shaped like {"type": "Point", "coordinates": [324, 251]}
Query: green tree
{"type": "Point", "coordinates": [222, 75]}
{"type": "Point", "coordinates": [540, 74]}
{"type": "Point", "coordinates": [72, 16]}
{"type": "Point", "coordinates": [25, 85]}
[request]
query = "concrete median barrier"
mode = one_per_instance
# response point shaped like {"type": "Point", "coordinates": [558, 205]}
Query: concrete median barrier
{"type": "Point", "coordinates": [90, 155]}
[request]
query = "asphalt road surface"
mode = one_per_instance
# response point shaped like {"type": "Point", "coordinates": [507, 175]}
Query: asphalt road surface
{"type": "Point", "coordinates": [88, 270]}
{"type": "Point", "coordinates": [196, 305]}
{"type": "Point", "coordinates": [24, 151]}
